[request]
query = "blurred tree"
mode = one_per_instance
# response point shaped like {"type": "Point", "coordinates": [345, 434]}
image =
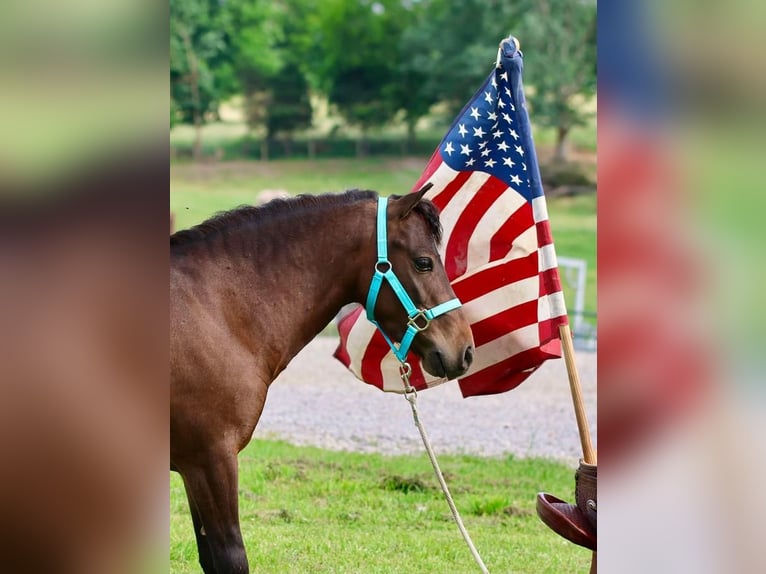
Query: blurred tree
{"type": "Point", "coordinates": [289, 106]}
{"type": "Point", "coordinates": [558, 38]}
{"type": "Point", "coordinates": [450, 48]}
{"type": "Point", "coordinates": [197, 56]}
{"type": "Point", "coordinates": [268, 51]}
{"type": "Point", "coordinates": [356, 53]}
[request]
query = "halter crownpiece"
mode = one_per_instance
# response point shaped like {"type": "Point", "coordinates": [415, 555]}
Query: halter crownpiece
{"type": "Point", "coordinates": [418, 319]}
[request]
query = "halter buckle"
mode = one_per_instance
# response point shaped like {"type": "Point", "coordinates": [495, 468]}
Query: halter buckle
{"type": "Point", "coordinates": [420, 315]}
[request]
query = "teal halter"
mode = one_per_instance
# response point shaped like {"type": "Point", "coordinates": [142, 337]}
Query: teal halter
{"type": "Point", "coordinates": [418, 319]}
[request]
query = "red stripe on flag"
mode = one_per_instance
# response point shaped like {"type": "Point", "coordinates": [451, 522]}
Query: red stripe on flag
{"type": "Point", "coordinates": [550, 282]}
{"type": "Point", "coordinates": [494, 277]}
{"type": "Point", "coordinates": [544, 236]}
{"type": "Point", "coordinates": [450, 190]}
{"type": "Point", "coordinates": [506, 375]}
{"type": "Point", "coordinates": [373, 355]}
{"type": "Point", "coordinates": [502, 376]}
{"type": "Point", "coordinates": [548, 331]}
{"type": "Point", "coordinates": [504, 322]}
{"type": "Point", "coordinates": [502, 241]}
{"type": "Point", "coordinates": [456, 254]}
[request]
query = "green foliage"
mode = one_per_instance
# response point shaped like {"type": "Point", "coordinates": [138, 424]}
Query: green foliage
{"type": "Point", "coordinates": [290, 108]}
{"type": "Point", "coordinates": [374, 60]}
{"type": "Point", "coordinates": [357, 55]}
{"type": "Point", "coordinates": [453, 46]}
{"type": "Point", "coordinates": [558, 39]}
{"type": "Point", "coordinates": [197, 56]}
{"type": "Point", "coordinates": [269, 51]}
{"type": "Point", "coordinates": [310, 510]}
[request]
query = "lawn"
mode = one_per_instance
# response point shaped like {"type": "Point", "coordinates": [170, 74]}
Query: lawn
{"type": "Point", "coordinates": [307, 510]}
{"type": "Point", "coordinates": [197, 191]}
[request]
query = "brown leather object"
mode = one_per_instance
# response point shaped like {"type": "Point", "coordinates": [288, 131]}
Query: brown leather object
{"type": "Point", "coordinates": [566, 520]}
{"type": "Point", "coordinates": [585, 492]}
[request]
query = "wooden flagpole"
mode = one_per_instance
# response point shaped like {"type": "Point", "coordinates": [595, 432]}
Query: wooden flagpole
{"type": "Point", "coordinates": [589, 455]}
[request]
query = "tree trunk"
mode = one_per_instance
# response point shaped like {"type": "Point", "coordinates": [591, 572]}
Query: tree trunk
{"type": "Point", "coordinates": [197, 146]}
{"type": "Point", "coordinates": [561, 154]}
{"type": "Point", "coordinates": [361, 144]}
{"type": "Point", "coordinates": [194, 87]}
{"type": "Point", "coordinates": [409, 145]}
{"type": "Point", "coordinates": [265, 149]}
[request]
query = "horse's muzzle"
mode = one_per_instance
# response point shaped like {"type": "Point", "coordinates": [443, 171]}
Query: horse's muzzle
{"type": "Point", "coordinates": [440, 364]}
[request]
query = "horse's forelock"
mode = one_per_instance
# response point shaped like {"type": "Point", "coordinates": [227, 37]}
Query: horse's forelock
{"type": "Point", "coordinates": [430, 214]}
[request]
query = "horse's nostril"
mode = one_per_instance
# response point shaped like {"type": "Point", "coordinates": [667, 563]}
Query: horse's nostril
{"type": "Point", "coordinates": [468, 356]}
{"type": "Point", "coordinates": [437, 363]}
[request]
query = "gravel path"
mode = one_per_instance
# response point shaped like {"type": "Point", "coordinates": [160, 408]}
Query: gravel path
{"type": "Point", "coordinates": [317, 402]}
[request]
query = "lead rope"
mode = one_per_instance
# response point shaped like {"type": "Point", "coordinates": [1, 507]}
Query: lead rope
{"type": "Point", "coordinates": [412, 397]}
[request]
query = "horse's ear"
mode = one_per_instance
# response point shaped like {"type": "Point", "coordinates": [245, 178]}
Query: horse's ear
{"type": "Point", "coordinates": [406, 204]}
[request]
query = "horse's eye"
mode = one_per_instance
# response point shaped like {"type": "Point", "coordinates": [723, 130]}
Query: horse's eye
{"type": "Point", "coordinates": [424, 264]}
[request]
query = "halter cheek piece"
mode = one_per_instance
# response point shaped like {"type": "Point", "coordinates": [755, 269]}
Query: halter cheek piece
{"type": "Point", "coordinates": [418, 319]}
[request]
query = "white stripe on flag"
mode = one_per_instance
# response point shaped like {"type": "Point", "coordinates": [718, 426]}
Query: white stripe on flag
{"type": "Point", "coordinates": [504, 347]}
{"type": "Point", "coordinates": [359, 337]}
{"type": "Point", "coordinates": [547, 258]}
{"type": "Point", "coordinates": [540, 209]}
{"type": "Point", "coordinates": [495, 217]}
{"type": "Point", "coordinates": [502, 299]}
{"type": "Point", "coordinates": [550, 306]}
{"type": "Point", "coordinates": [524, 244]}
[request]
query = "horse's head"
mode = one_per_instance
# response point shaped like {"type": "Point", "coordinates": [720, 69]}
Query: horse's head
{"type": "Point", "coordinates": [413, 232]}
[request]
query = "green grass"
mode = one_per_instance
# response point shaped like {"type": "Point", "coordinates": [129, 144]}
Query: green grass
{"type": "Point", "coordinates": [197, 191]}
{"type": "Point", "coordinates": [309, 510]}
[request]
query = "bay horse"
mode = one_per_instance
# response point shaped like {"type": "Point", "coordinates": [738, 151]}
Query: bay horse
{"type": "Point", "coordinates": [249, 288]}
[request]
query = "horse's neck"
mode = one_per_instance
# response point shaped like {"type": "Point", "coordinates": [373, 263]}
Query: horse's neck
{"type": "Point", "coordinates": [297, 277]}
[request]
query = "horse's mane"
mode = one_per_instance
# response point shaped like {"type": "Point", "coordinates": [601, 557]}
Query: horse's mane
{"type": "Point", "coordinates": [278, 208]}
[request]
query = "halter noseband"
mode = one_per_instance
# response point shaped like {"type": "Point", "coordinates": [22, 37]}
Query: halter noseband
{"type": "Point", "coordinates": [418, 319]}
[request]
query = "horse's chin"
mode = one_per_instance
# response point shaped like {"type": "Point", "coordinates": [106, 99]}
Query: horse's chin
{"type": "Point", "coordinates": [435, 364]}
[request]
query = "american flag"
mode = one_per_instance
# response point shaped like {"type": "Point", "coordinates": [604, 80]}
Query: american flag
{"type": "Point", "coordinates": [497, 246]}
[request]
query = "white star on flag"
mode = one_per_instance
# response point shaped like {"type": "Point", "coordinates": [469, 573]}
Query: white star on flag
{"type": "Point", "coordinates": [448, 148]}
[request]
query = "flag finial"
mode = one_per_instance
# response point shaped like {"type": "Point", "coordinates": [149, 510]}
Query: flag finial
{"type": "Point", "coordinates": [511, 49]}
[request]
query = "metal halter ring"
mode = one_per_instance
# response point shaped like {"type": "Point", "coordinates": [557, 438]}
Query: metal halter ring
{"type": "Point", "coordinates": [379, 263]}
{"type": "Point", "coordinates": [412, 321]}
